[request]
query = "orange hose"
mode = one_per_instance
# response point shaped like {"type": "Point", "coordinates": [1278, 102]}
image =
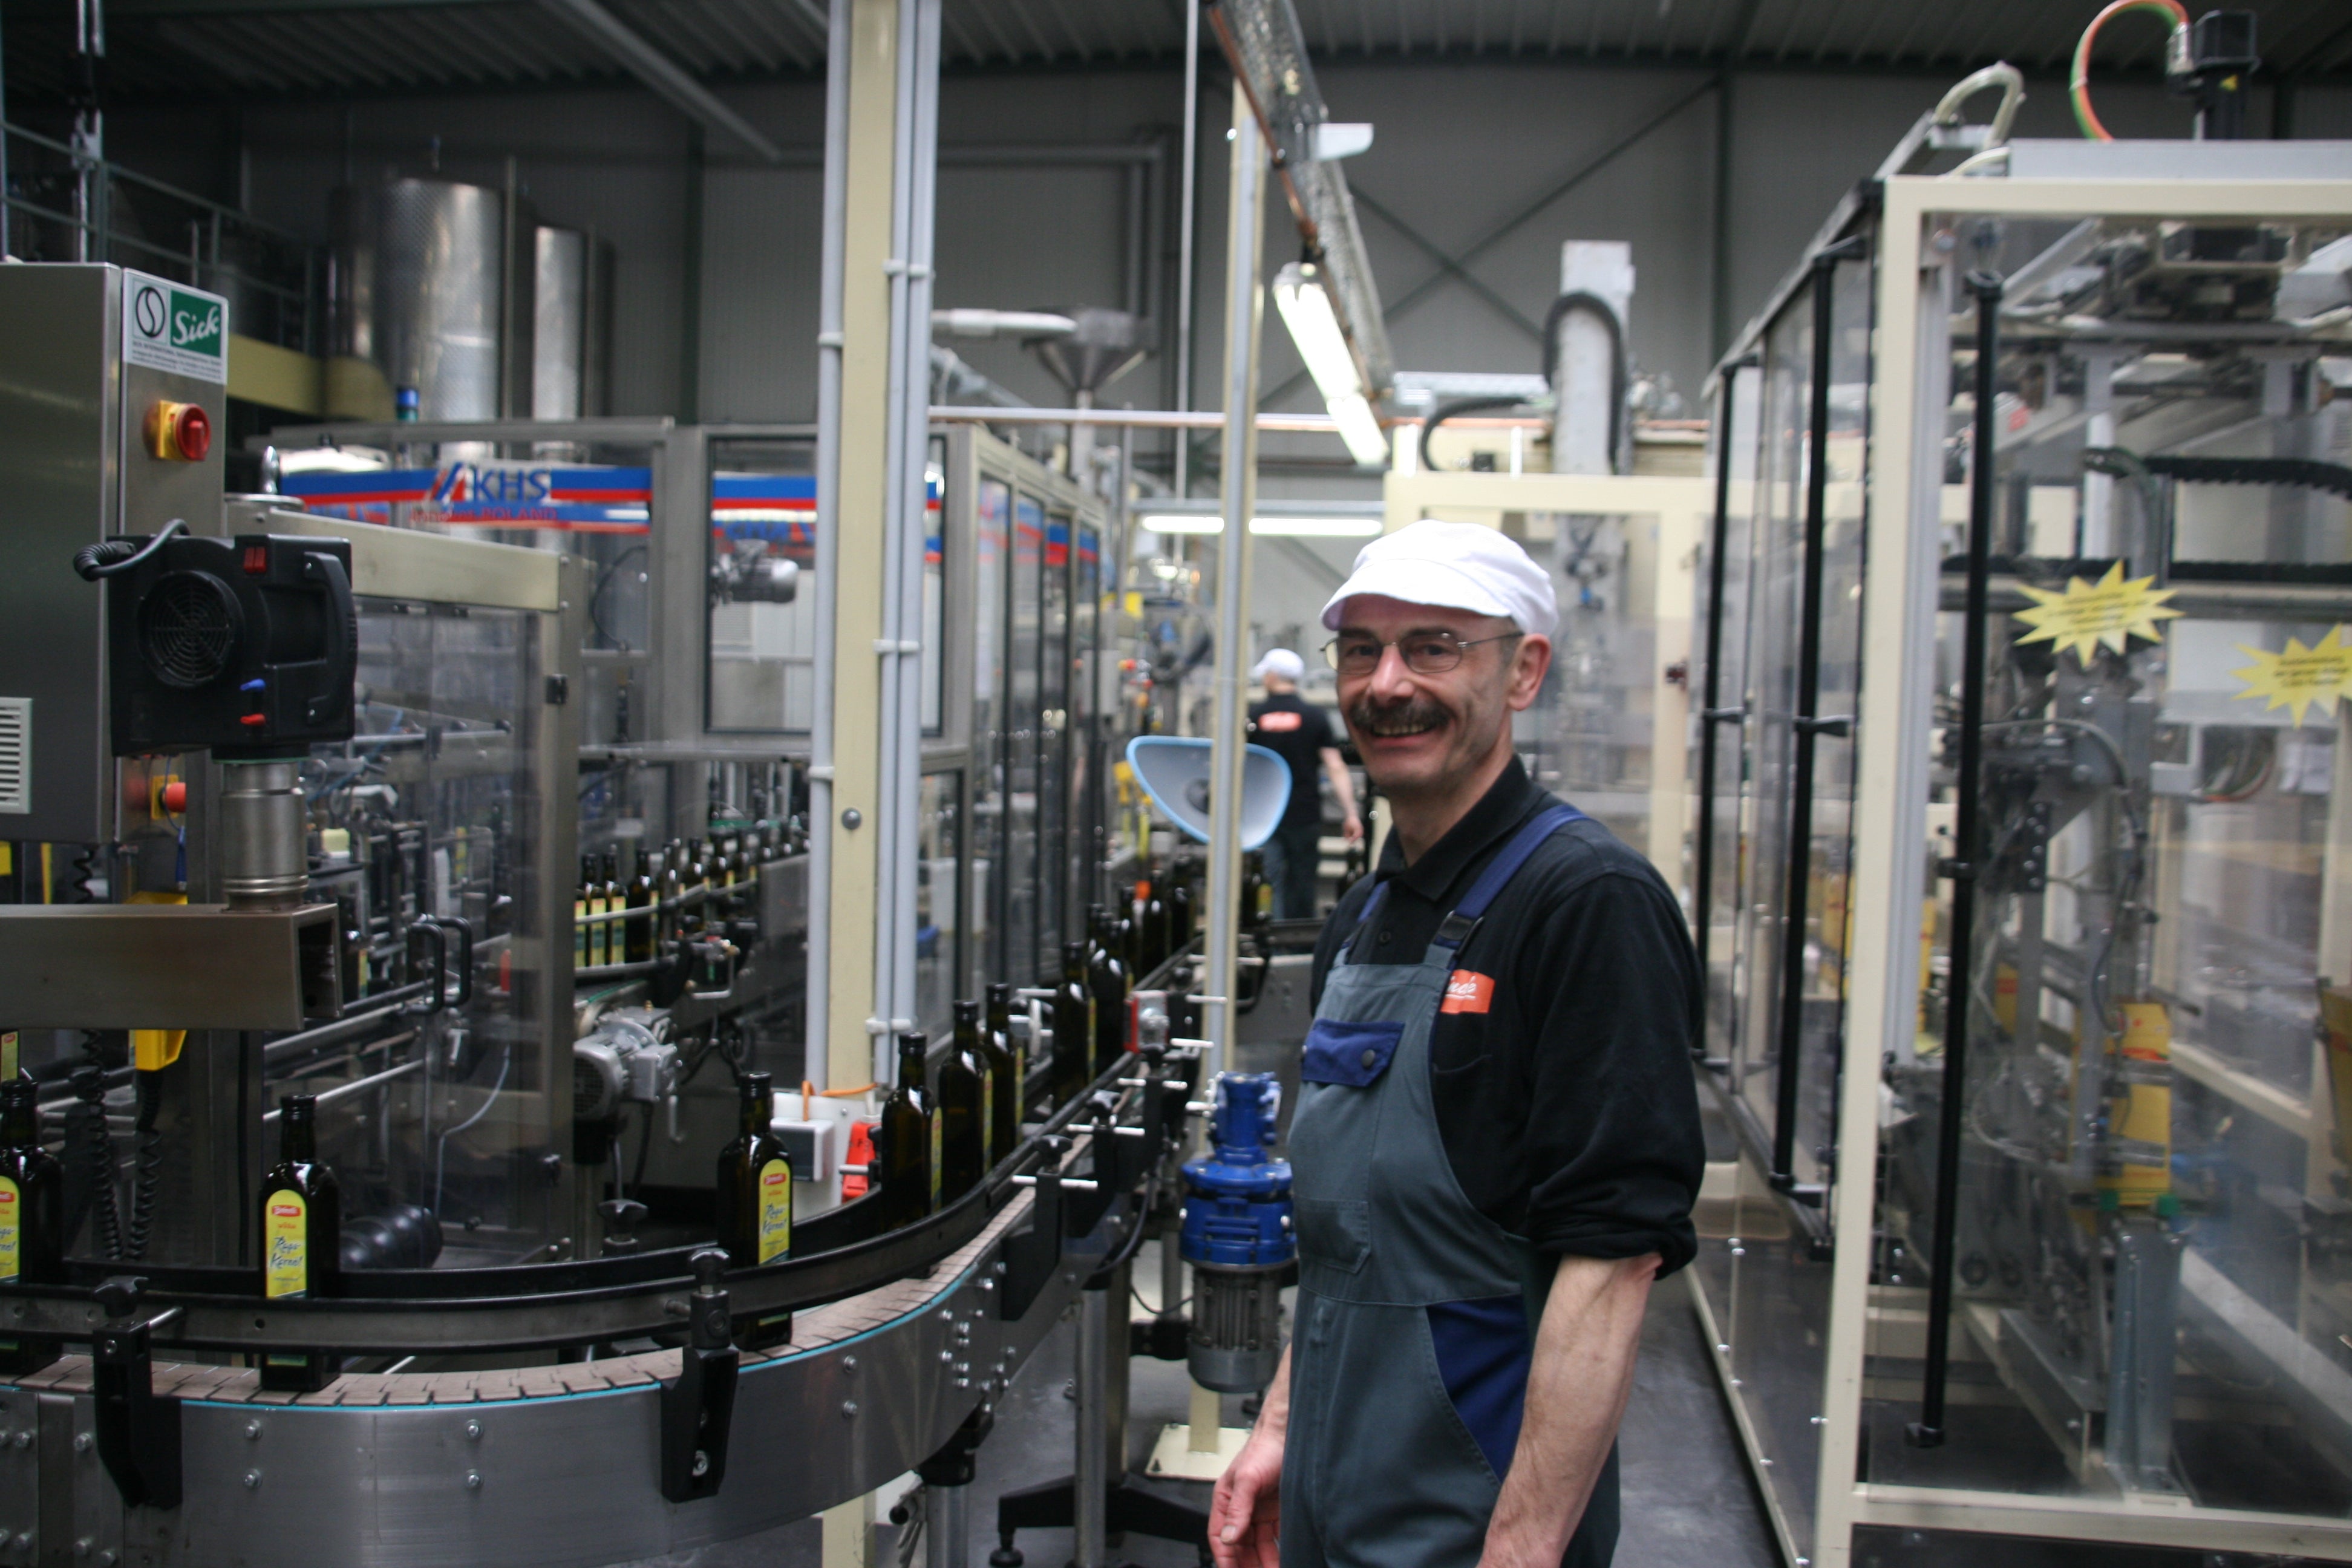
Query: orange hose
{"type": "Point", "coordinates": [2078, 81]}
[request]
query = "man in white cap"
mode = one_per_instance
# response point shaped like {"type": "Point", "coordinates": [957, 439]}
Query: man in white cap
{"type": "Point", "coordinates": [1496, 1145]}
{"type": "Point", "coordinates": [1298, 731]}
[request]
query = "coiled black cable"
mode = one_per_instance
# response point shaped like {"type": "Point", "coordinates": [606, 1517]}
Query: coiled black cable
{"type": "Point", "coordinates": [147, 1183]}
{"type": "Point", "coordinates": [90, 1085]}
{"type": "Point", "coordinates": [111, 557]}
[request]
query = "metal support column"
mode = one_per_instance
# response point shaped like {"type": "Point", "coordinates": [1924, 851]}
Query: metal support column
{"type": "Point", "coordinates": [865, 481]}
{"type": "Point", "coordinates": [1091, 1477]}
{"type": "Point", "coordinates": [817, 1063]}
{"type": "Point", "coordinates": [1244, 226]}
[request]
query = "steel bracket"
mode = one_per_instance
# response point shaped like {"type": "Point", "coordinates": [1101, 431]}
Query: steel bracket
{"type": "Point", "coordinates": [137, 1430]}
{"type": "Point", "coordinates": [698, 1407]}
{"type": "Point", "coordinates": [1031, 1256]}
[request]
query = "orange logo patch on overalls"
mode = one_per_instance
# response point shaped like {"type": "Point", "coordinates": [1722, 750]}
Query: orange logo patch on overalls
{"type": "Point", "coordinates": [1467, 991]}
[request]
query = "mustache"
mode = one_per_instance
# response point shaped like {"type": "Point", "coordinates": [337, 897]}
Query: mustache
{"type": "Point", "coordinates": [1409, 717]}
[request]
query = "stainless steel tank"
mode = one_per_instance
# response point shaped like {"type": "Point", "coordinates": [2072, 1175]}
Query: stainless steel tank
{"type": "Point", "coordinates": [571, 299]}
{"type": "Point", "coordinates": [427, 287]}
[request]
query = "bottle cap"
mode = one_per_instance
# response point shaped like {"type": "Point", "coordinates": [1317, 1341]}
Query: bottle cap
{"type": "Point", "coordinates": [297, 1106]}
{"type": "Point", "coordinates": [967, 1012]}
{"type": "Point", "coordinates": [758, 1085]}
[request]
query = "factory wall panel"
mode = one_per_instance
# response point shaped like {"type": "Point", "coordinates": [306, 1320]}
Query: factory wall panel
{"type": "Point", "coordinates": [760, 278]}
{"type": "Point", "coordinates": [1462, 147]}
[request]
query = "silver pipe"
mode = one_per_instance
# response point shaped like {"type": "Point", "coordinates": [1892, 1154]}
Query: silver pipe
{"type": "Point", "coordinates": [1155, 418]}
{"type": "Point", "coordinates": [1089, 1478]}
{"type": "Point", "coordinates": [816, 1059]}
{"type": "Point", "coordinates": [265, 860]}
{"type": "Point", "coordinates": [1184, 239]}
{"type": "Point", "coordinates": [947, 1527]}
{"type": "Point", "coordinates": [897, 434]}
{"type": "Point", "coordinates": [344, 1090]}
{"type": "Point", "coordinates": [915, 492]}
{"type": "Point", "coordinates": [1244, 218]}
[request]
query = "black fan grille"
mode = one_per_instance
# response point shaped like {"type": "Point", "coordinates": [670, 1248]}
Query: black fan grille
{"type": "Point", "coordinates": [188, 626]}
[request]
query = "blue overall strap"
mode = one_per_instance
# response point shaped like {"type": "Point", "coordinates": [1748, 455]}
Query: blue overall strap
{"type": "Point", "coordinates": [1363, 918]}
{"type": "Point", "coordinates": [1456, 929]}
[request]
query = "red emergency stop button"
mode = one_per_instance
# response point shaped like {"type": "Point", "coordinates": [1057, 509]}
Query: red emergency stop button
{"type": "Point", "coordinates": [179, 432]}
{"type": "Point", "coordinates": [175, 796]}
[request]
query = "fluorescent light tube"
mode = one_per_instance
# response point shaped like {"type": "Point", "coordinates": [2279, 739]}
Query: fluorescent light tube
{"type": "Point", "coordinates": [1182, 522]}
{"type": "Point", "coordinates": [1305, 308]}
{"type": "Point", "coordinates": [1318, 527]}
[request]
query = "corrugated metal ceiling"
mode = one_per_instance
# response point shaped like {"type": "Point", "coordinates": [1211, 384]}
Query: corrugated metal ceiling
{"type": "Point", "coordinates": [173, 48]}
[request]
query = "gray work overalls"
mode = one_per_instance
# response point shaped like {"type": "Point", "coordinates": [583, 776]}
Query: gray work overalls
{"type": "Point", "coordinates": [1416, 1312]}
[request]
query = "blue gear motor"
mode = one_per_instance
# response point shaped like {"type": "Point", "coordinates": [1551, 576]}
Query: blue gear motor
{"type": "Point", "coordinates": [1238, 1237]}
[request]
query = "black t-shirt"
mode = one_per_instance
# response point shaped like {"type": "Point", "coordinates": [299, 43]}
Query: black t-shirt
{"type": "Point", "coordinates": [1563, 1092]}
{"type": "Point", "coordinates": [1297, 730]}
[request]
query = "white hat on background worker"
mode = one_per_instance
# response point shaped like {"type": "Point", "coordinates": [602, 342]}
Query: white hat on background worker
{"type": "Point", "coordinates": [1457, 566]}
{"type": "Point", "coordinates": [1281, 664]}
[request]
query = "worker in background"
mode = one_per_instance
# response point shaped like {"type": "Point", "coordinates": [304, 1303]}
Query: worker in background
{"type": "Point", "coordinates": [1496, 1145]}
{"type": "Point", "coordinates": [1295, 730]}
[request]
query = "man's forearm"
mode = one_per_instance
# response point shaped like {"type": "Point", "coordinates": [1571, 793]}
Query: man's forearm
{"type": "Point", "coordinates": [1343, 785]}
{"type": "Point", "coordinates": [1273, 1405]}
{"type": "Point", "coordinates": [1581, 1372]}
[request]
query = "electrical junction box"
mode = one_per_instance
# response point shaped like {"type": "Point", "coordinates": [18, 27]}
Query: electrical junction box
{"type": "Point", "coordinates": [112, 410]}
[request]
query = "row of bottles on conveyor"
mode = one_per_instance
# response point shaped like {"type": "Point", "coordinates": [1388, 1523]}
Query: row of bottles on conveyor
{"type": "Point", "coordinates": [684, 887]}
{"type": "Point", "coordinates": [944, 1127]}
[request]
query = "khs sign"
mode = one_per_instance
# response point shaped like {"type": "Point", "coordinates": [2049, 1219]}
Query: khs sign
{"type": "Point", "coordinates": [1278, 723]}
{"type": "Point", "coordinates": [1467, 991]}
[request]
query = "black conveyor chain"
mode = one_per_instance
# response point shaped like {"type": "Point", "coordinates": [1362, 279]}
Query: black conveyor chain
{"type": "Point", "coordinates": [2304, 473]}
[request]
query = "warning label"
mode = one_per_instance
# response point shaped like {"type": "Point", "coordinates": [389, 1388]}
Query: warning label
{"type": "Point", "coordinates": [168, 326]}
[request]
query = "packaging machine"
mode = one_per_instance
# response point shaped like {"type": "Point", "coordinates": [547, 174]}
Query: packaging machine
{"type": "Point", "coordinates": [2017, 860]}
{"type": "Point", "coordinates": [299, 797]}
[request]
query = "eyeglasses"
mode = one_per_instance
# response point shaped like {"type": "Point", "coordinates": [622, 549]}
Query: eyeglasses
{"type": "Point", "coordinates": [1424, 653]}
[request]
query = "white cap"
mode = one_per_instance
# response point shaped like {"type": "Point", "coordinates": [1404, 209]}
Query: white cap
{"type": "Point", "coordinates": [1456, 565]}
{"type": "Point", "coordinates": [1281, 664]}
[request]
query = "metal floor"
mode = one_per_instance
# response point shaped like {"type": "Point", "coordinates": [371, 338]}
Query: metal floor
{"type": "Point", "coordinates": [1688, 1498]}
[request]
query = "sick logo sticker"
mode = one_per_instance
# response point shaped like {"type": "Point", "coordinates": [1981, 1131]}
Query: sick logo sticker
{"type": "Point", "coordinates": [1467, 991]}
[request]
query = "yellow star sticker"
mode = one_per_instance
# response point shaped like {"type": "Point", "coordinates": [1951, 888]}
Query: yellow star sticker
{"type": "Point", "coordinates": [2301, 678]}
{"type": "Point", "coordinates": [2111, 611]}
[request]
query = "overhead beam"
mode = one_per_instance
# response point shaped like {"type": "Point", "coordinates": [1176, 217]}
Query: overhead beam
{"type": "Point", "coordinates": [662, 75]}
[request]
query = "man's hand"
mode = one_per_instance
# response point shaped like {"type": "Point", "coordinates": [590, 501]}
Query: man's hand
{"type": "Point", "coordinates": [1246, 1512]}
{"type": "Point", "coordinates": [1352, 830]}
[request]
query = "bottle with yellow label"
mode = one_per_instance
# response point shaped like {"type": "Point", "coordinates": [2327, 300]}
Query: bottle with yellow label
{"type": "Point", "coordinates": [753, 1201]}
{"type": "Point", "coordinates": [32, 1214]}
{"type": "Point", "coordinates": [584, 904]}
{"type": "Point", "coordinates": [301, 1233]}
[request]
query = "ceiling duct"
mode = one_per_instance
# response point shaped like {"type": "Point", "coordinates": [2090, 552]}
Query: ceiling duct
{"type": "Point", "coordinates": [1262, 43]}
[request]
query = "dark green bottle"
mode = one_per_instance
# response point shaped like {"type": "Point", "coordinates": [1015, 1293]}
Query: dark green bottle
{"type": "Point", "coordinates": [638, 945]}
{"type": "Point", "coordinates": [1074, 1027]}
{"type": "Point", "coordinates": [1005, 1073]}
{"type": "Point", "coordinates": [32, 1214]}
{"type": "Point", "coordinates": [904, 1138]}
{"type": "Point", "coordinates": [964, 1108]}
{"type": "Point", "coordinates": [752, 1201]}
{"type": "Point", "coordinates": [1106, 983]}
{"type": "Point", "coordinates": [1150, 927]}
{"type": "Point", "coordinates": [1180, 912]}
{"type": "Point", "coordinates": [302, 1237]}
